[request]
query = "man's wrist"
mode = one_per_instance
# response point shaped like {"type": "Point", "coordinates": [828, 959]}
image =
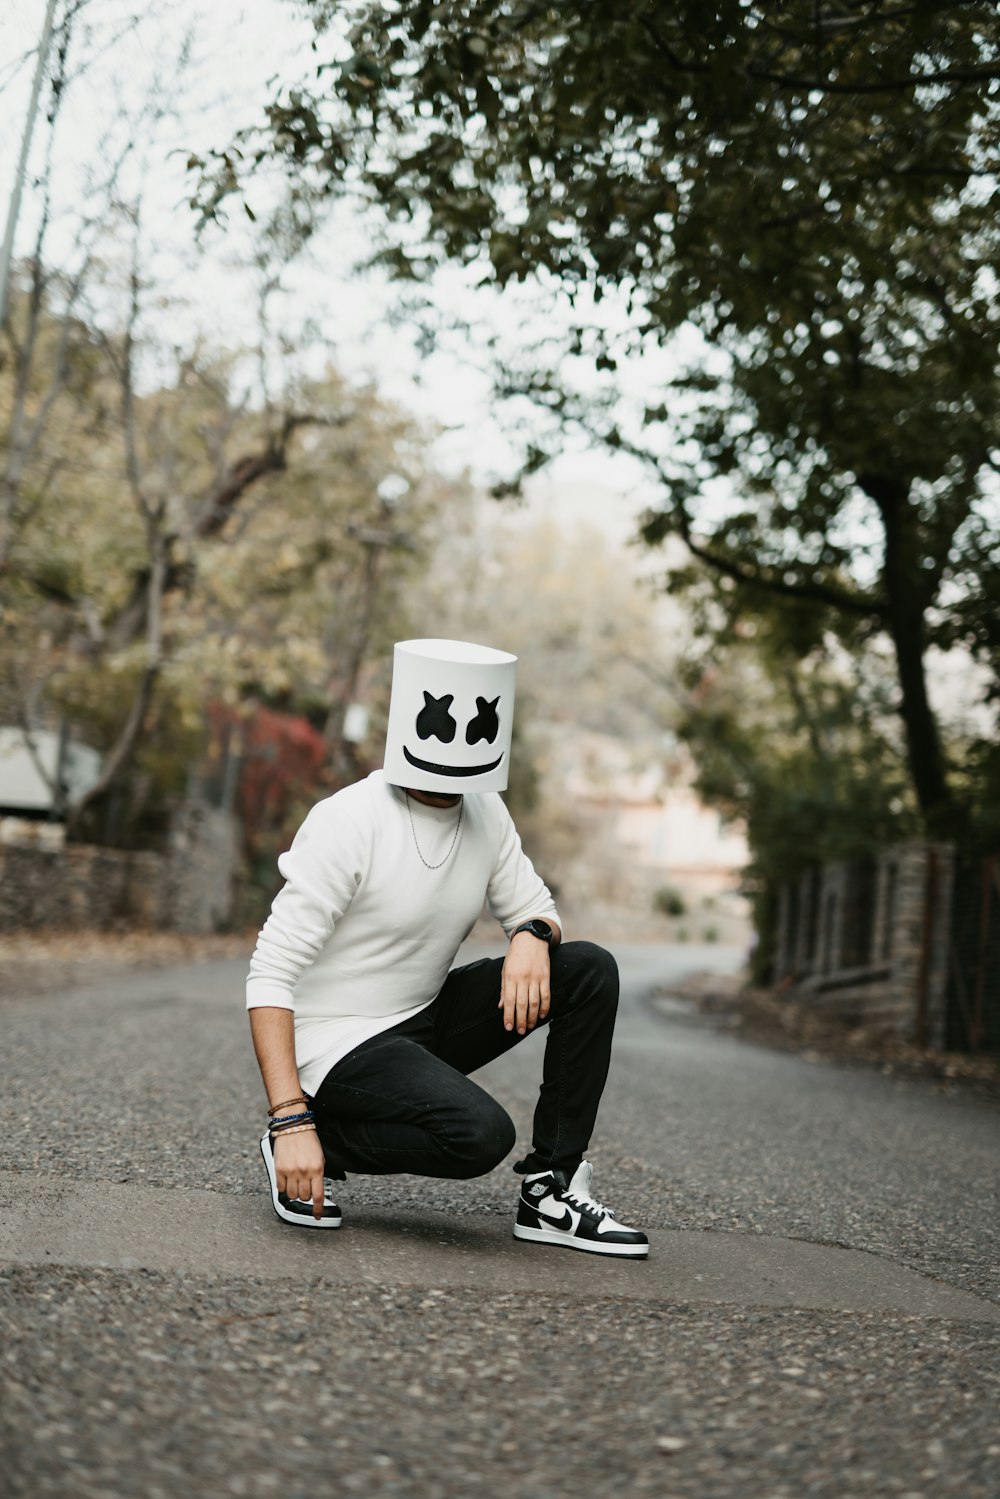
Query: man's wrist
{"type": "Point", "coordinates": [539, 929]}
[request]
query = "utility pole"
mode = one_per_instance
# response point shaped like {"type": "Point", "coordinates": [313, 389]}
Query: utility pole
{"type": "Point", "coordinates": [14, 207]}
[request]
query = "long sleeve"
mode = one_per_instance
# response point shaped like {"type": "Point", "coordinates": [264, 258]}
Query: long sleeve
{"type": "Point", "coordinates": [322, 871]}
{"type": "Point", "coordinates": [516, 893]}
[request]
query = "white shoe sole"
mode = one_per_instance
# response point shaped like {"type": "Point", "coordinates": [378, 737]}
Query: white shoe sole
{"type": "Point", "coordinates": [298, 1220]}
{"type": "Point", "coordinates": [588, 1246]}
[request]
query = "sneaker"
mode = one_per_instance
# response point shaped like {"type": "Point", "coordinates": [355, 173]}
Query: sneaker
{"type": "Point", "coordinates": [550, 1212]}
{"type": "Point", "coordinates": [295, 1209]}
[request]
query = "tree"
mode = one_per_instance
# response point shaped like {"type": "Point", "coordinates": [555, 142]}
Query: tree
{"type": "Point", "coordinates": [203, 549]}
{"type": "Point", "coordinates": [803, 750]}
{"type": "Point", "coordinates": [152, 550]}
{"type": "Point", "coordinates": [812, 188]}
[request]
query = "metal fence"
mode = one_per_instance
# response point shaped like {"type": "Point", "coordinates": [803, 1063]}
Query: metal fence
{"type": "Point", "coordinates": [972, 1014]}
{"type": "Point", "coordinates": [909, 941]}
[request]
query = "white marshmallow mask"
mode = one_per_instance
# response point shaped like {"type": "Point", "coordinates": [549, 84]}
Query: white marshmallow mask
{"type": "Point", "coordinates": [450, 716]}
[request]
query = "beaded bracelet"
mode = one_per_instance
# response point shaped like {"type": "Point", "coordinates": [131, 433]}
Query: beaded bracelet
{"type": "Point", "coordinates": [296, 1129]}
{"type": "Point", "coordinates": [287, 1103]}
{"type": "Point", "coordinates": [293, 1118]}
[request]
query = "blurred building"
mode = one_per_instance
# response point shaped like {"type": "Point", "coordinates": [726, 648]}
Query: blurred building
{"type": "Point", "coordinates": [39, 777]}
{"type": "Point", "coordinates": [642, 835]}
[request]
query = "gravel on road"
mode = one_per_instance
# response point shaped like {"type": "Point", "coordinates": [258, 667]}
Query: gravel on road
{"type": "Point", "coordinates": [155, 1386]}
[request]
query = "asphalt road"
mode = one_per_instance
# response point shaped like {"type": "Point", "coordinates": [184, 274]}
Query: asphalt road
{"type": "Point", "coordinates": [819, 1314]}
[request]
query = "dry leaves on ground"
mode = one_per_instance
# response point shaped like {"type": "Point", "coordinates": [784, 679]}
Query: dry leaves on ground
{"type": "Point", "coordinates": [782, 1020]}
{"type": "Point", "coordinates": [44, 962]}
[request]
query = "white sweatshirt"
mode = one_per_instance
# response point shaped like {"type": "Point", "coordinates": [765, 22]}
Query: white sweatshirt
{"type": "Point", "coordinates": [363, 933]}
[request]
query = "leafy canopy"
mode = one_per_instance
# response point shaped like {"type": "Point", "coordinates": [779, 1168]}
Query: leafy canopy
{"type": "Point", "coordinates": [812, 188]}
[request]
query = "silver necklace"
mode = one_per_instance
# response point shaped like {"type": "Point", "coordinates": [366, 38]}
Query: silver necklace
{"type": "Point", "coordinates": [413, 830]}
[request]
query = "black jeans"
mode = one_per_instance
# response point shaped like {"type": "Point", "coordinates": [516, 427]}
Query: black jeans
{"type": "Point", "coordinates": [402, 1100]}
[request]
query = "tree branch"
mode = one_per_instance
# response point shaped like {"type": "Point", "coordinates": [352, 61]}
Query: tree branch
{"type": "Point", "coordinates": [132, 466]}
{"type": "Point", "coordinates": [211, 519]}
{"type": "Point", "coordinates": [826, 85]}
{"type": "Point", "coordinates": [245, 472]}
{"type": "Point", "coordinates": [880, 86]}
{"type": "Point", "coordinates": [132, 727]}
{"type": "Point", "coordinates": [860, 604]}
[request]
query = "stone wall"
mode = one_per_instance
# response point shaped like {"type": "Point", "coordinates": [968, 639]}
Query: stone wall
{"type": "Point", "coordinates": [204, 850]}
{"type": "Point", "coordinates": [45, 882]}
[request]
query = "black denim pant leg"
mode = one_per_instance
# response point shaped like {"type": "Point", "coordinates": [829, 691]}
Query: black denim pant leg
{"type": "Point", "coordinates": [469, 1032]}
{"type": "Point", "coordinates": [403, 1102]}
{"type": "Point", "coordinates": [392, 1106]}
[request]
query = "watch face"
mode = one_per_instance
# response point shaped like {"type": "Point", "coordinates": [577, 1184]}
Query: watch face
{"type": "Point", "coordinates": [539, 929]}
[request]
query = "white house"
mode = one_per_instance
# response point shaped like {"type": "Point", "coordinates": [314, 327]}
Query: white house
{"type": "Point", "coordinates": [27, 779]}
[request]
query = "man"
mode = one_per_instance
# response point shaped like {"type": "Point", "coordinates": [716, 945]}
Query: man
{"type": "Point", "coordinates": [365, 1034]}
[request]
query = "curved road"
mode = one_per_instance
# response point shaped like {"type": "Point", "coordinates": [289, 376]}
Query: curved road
{"type": "Point", "coordinates": [819, 1314]}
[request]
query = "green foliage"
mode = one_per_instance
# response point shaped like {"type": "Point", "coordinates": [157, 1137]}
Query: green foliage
{"type": "Point", "coordinates": [807, 757]}
{"type": "Point", "coordinates": [287, 571]}
{"type": "Point", "coordinates": [804, 752]}
{"type": "Point", "coordinates": [812, 189]}
{"type": "Point", "coordinates": [669, 901]}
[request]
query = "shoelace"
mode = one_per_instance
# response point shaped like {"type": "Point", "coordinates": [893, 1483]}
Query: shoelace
{"type": "Point", "coordinates": [589, 1204]}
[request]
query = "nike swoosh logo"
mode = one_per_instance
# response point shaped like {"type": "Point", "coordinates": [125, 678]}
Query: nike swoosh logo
{"type": "Point", "coordinates": [566, 1221]}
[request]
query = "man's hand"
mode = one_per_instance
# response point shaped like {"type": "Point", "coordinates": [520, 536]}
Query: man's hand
{"type": "Point", "coordinates": [299, 1165]}
{"type": "Point", "coordinates": [524, 983]}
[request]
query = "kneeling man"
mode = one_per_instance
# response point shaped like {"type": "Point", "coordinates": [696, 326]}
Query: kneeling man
{"type": "Point", "coordinates": [365, 1033]}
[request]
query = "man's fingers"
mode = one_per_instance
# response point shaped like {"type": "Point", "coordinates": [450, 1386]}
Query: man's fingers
{"type": "Point", "coordinates": [317, 1196]}
{"type": "Point", "coordinates": [510, 1008]}
{"type": "Point", "coordinates": [530, 1006]}
{"type": "Point", "coordinates": [524, 1001]}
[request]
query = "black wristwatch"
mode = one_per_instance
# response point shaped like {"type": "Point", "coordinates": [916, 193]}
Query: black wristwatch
{"type": "Point", "coordinates": [539, 929]}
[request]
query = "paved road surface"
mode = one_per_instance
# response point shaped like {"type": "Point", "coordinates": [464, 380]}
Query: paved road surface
{"type": "Point", "coordinates": [819, 1314]}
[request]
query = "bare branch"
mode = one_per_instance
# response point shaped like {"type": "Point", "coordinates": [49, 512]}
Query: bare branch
{"type": "Point", "coordinates": [246, 471]}
{"type": "Point", "coordinates": [23, 438]}
{"type": "Point", "coordinates": [133, 469]}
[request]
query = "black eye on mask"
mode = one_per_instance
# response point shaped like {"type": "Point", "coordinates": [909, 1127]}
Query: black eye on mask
{"type": "Point", "coordinates": [435, 719]}
{"type": "Point", "coordinates": [486, 724]}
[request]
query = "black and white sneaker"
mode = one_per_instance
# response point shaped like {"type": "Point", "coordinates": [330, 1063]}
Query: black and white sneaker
{"type": "Point", "coordinates": [295, 1209]}
{"type": "Point", "coordinates": [550, 1212]}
